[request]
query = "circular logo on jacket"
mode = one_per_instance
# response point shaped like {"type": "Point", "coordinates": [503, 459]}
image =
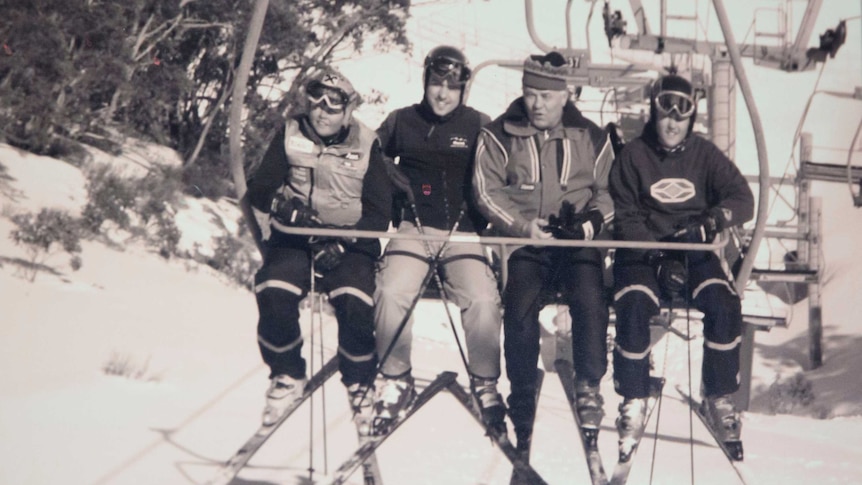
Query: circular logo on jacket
{"type": "Point", "coordinates": [426, 189]}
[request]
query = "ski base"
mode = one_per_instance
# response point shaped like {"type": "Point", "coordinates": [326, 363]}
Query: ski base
{"type": "Point", "coordinates": [501, 440]}
{"type": "Point", "coordinates": [588, 436]}
{"type": "Point", "coordinates": [233, 466]}
{"type": "Point", "coordinates": [624, 462]}
{"type": "Point", "coordinates": [372, 442]}
{"type": "Point", "coordinates": [370, 469]}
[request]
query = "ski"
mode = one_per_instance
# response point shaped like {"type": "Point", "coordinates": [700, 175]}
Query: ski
{"type": "Point", "coordinates": [732, 449]}
{"type": "Point", "coordinates": [624, 464]}
{"type": "Point", "coordinates": [501, 440]}
{"type": "Point", "coordinates": [517, 478]}
{"type": "Point", "coordinates": [589, 437]}
{"type": "Point", "coordinates": [232, 467]}
{"type": "Point", "coordinates": [372, 442]}
{"type": "Point", "coordinates": [370, 469]}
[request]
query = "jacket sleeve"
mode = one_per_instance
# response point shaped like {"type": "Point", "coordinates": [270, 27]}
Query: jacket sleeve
{"type": "Point", "coordinates": [629, 216]}
{"type": "Point", "coordinates": [376, 194]}
{"type": "Point", "coordinates": [731, 191]}
{"type": "Point", "coordinates": [489, 187]}
{"type": "Point", "coordinates": [385, 133]}
{"type": "Point", "coordinates": [601, 199]}
{"type": "Point", "coordinates": [270, 175]}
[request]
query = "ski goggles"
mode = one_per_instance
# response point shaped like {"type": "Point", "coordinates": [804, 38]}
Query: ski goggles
{"type": "Point", "coordinates": [669, 101]}
{"type": "Point", "coordinates": [442, 69]}
{"type": "Point", "coordinates": [331, 100]}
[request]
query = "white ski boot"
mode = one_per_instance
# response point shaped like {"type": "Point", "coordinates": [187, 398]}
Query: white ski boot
{"type": "Point", "coordinates": [283, 391]}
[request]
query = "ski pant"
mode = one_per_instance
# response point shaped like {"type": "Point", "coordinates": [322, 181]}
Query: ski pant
{"type": "Point", "coordinates": [284, 280]}
{"type": "Point", "coordinates": [579, 274]}
{"type": "Point", "coordinates": [636, 301]}
{"type": "Point", "coordinates": [467, 279]}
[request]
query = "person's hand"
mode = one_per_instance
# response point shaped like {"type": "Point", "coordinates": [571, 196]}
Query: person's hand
{"type": "Point", "coordinates": [537, 229]}
{"type": "Point", "coordinates": [670, 273]}
{"type": "Point", "coordinates": [702, 228]}
{"type": "Point", "coordinates": [569, 225]}
{"type": "Point", "coordinates": [400, 181]}
{"type": "Point", "coordinates": [328, 253]}
{"type": "Point", "coordinates": [293, 212]}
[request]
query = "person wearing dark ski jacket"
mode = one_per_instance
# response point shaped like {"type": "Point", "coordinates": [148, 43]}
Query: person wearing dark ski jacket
{"type": "Point", "coordinates": [671, 185]}
{"type": "Point", "coordinates": [433, 143]}
{"type": "Point", "coordinates": [322, 169]}
{"type": "Point", "coordinates": [541, 172]}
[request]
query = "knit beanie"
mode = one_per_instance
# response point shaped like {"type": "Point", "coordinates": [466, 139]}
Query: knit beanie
{"type": "Point", "coordinates": [546, 72]}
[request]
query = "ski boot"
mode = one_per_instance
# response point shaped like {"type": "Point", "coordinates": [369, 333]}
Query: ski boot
{"type": "Point", "coordinates": [283, 391]}
{"type": "Point", "coordinates": [589, 404]}
{"type": "Point", "coordinates": [393, 399]}
{"type": "Point", "coordinates": [630, 425]}
{"type": "Point", "coordinates": [490, 405]}
{"type": "Point", "coordinates": [723, 418]}
{"type": "Point", "coordinates": [361, 397]}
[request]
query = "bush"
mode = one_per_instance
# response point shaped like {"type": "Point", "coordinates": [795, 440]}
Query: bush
{"type": "Point", "coordinates": [109, 196]}
{"type": "Point", "coordinates": [236, 259]}
{"type": "Point", "coordinates": [793, 396]}
{"type": "Point", "coordinates": [43, 233]}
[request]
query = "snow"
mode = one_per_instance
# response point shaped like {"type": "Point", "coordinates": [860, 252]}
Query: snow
{"type": "Point", "coordinates": [191, 336]}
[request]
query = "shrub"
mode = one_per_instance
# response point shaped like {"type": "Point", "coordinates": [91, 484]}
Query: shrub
{"type": "Point", "coordinates": [109, 196]}
{"type": "Point", "coordinates": [123, 365]}
{"type": "Point", "coordinates": [43, 233]}
{"type": "Point", "coordinates": [235, 258]}
{"type": "Point", "coordinates": [793, 395]}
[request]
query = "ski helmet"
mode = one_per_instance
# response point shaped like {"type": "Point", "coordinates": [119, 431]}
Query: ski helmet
{"type": "Point", "coordinates": [446, 63]}
{"type": "Point", "coordinates": [673, 95]}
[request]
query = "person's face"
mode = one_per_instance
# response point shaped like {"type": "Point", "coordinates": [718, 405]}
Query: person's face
{"type": "Point", "coordinates": [443, 98]}
{"type": "Point", "coordinates": [326, 121]}
{"type": "Point", "coordinates": [671, 129]}
{"type": "Point", "coordinates": [545, 107]}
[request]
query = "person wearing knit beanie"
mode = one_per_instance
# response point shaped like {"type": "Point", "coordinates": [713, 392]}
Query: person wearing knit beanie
{"type": "Point", "coordinates": [541, 173]}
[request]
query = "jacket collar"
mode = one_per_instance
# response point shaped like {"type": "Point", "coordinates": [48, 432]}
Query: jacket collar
{"type": "Point", "coordinates": [516, 121]}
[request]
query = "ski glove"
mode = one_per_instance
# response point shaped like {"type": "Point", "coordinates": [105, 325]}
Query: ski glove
{"type": "Point", "coordinates": [400, 181]}
{"type": "Point", "coordinates": [293, 212]}
{"type": "Point", "coordinates": [328, 252]}
{"type": "Point", "coordinates": [670, 273]}
{"type": "Point", "coordinates": [702, 228]}
{"type": "Point", "coordinates": [571, 225]}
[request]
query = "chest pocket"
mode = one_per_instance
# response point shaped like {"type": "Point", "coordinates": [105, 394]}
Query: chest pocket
{"type": "Point", "coordinates": [345, 179]}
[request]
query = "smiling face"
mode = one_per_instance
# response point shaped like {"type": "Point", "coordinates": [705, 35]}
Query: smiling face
{"type": "Point", "coordinates": [325, 121]}
{"type": "Point", "coordinates": [672, 130]}
{"type": "Point", "coordinates": [545, 107]}
{"type": "Point", "coordinates": [442, 98]}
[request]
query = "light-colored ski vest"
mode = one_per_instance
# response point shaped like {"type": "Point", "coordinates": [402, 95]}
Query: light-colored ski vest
{"type": "Point", "coordinates": [329, 178]}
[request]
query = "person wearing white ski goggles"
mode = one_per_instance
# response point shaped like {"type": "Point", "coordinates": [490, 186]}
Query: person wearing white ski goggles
{"type": "Point", "coordinates": [330, 99]}
{"type": "Point", "coordinates": [666, 102]}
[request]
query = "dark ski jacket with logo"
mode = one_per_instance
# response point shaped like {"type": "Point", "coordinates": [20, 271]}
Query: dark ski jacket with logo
{"type": "Point", "coordinates": [655, 190]}
{"type": "Point", "coordinates": [436, 154]}
{"type": "Point", "coordinates": [342, 177]}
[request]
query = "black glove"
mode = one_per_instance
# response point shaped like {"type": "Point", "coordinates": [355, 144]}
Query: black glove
{"type": "Point", "coordinates": [669, 272]}
{"type": "Point", "coordinates": [293, 212]}
{"type": "Point", "coordinates": [400, 182]}
{"type": "Point", "coordinates": [701, 228]}
{"type": "Point", "coordinates": [570, 225]}
{"type": "Point", "coordinates": [328, 252]}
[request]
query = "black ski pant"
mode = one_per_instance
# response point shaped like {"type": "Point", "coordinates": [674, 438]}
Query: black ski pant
{"type": "Point", "coordinates": [577, 274]}
{"type": "Point", "coordinates": [284, 280]}
{"type": "Point", "coordinates": [637, 300]}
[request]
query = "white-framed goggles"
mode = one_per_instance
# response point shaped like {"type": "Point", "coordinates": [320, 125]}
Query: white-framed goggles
{"type": "Point", "coordinates": [332, 100]}
{"type": "Point", "coordinates": [666, 102]}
